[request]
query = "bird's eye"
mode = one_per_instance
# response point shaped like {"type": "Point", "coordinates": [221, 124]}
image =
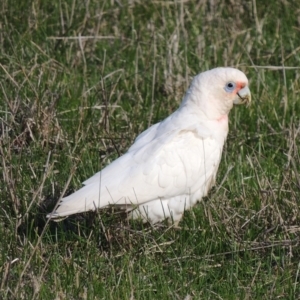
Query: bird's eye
{"type": "Point", "coordinates": [229, 87]}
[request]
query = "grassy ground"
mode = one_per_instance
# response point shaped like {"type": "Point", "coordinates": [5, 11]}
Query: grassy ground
{"type": "Point", "coordinates": [79, 81]}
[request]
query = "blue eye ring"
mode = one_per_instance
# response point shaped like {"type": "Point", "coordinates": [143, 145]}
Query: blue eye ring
{"type": "Point", "coordinates": [230, 87]}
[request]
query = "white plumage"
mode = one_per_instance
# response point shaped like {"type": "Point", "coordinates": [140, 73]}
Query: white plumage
{"type": "Point", "coordinates": [172, 164]}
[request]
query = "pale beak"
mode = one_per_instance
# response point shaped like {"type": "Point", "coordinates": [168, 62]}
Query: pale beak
{"type": "Point", "coordinates": [243, 96]}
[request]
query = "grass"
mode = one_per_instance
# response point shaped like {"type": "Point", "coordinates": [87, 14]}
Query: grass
{"type": "Point", "coordinates": [79, 81]}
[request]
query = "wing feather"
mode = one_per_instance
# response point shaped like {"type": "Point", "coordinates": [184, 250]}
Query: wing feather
{"type": "Point", "coordinates": [162, 163]}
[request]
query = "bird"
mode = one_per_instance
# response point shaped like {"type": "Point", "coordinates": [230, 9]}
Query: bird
{"type": "Point", "coordinates": [173, 164]}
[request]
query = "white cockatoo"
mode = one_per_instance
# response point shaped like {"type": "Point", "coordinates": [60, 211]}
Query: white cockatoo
{"type": "Point", "coordinates": [173, 164]}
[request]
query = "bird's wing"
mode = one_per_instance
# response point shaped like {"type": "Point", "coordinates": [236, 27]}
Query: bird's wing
{"type": "Point", "coordinates": [145, 138]}
{"type": "Point", "coordinates": [160, 168]}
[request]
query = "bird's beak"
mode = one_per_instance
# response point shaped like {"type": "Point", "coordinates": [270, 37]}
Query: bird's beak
{"type": "Point", "coordinates": [243, 96]}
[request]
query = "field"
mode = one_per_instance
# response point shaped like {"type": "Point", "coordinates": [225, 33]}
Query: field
{"type": "Point", "coordinates": [79, 80]}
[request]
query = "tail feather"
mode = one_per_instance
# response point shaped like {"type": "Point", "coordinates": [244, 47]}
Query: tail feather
{"type": "Point", "coordinates": [86, 199]}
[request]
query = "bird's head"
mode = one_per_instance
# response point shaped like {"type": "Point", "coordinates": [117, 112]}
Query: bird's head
{"type": "Point", "coordinates": [217, 90]}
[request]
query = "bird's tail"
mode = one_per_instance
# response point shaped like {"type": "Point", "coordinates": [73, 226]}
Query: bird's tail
{"type": "Point", "coordinates": [83, 200]}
